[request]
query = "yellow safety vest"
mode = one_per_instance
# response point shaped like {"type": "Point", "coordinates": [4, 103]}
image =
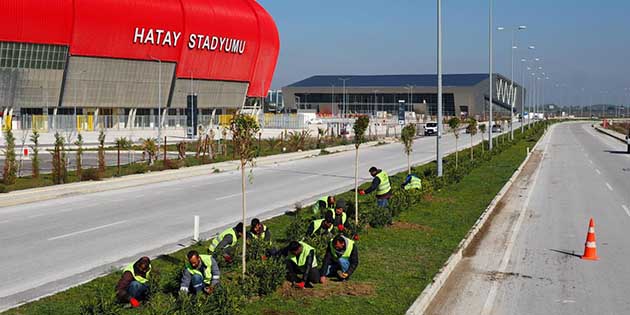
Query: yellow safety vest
{"type": "Point", "coordinates": [207, 275]}
{"type": "Point", "coordinates": [384, 187]}
{"type": "Point", "coordinates": [346, 254]}
{"type": "Point", "coordinates": [301, 261]}
{"type": "Point", "coordinates": [218, 239]}
{"type": "Point", "coordinates": [138, 278]}
{"type": "Point", "coordinates": [415, 183]}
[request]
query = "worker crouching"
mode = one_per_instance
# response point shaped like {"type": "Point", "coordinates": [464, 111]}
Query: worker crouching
{"type": "Point", "coordinates": [301, 265]}
{"type": "Point", "coordinates": [132, 287]}
{"type": "Point", "coordinates": [201, 274]}
{"type": "Point", "coordinates": [341, 259]}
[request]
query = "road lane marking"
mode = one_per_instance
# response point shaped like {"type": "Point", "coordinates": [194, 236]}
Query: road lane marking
{"type": "Point", "coordinates": [86, 230]}
{"type": "Point", "coordinates": [598, 172]}
{"type": "Point", "coordinates": [609, 187]}
{"type": "Point", "coordinates": [489, 304]}
{"type": "Point", "coordinates": [626, 209]}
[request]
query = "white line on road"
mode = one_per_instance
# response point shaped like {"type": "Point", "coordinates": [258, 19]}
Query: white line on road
{"type": "Point", "coordinates": [489, 304]}
{"type": "Point", "coordinates": [307, 178]}
{"type": "Point", "coordinates": [230, 196]}
{"type": "Point", "coordinates": [626, 209]}
{"type": "Point", "coordinates": [598, 172]}
{"type": "Point", "coordinates": [609, 187]}
{"type": "Point", "coordinates": [86, 230]}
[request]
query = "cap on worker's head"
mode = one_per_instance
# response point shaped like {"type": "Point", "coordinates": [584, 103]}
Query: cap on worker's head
{"type": "Point", "coordinates": [239, 228]}
{"type": "Point", "coordinates": [340, 204]}
{"type": "Point", "coordinates": [293, 246]}
{"type": "Point", "coordinates": [373, 169]}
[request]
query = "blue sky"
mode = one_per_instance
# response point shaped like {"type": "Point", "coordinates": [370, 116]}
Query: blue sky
{"type": "Point", "coordinates": [584, 45]}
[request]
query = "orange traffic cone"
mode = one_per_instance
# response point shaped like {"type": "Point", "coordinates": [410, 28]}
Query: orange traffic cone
{"type": "Point", "coordinates": [590, 248]}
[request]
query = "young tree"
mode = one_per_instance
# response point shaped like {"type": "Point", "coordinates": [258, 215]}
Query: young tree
{"type": "Point", "coordinates": [122, 143]}
{"type": "Point", "coordinates": [406, 135]}
{"type": "Point", "coordinates": [472, 130]}
{"type": "Point", "coordinates": [79, 144]}
{"type": "Point", "coordinates": [9, 175]}
{"type": "Point", "coordinates": [35, 155]}
{"type": "Point", "coordinates": [244, 128]}
{"type": "Point", "coordinates": [482, 129]}
{"type": "Point", "coordinates": [454, 123]}
{"type": "Point", "coordinates": [149, 146]}
{"type": "Point", "coordinates": [59, 160]}
{"type": "Point", "coordinates": [101, 152]}
{"type": "Point", "coordinates": [360, 125]}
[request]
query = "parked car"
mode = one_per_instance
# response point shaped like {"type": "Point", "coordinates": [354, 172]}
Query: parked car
{"type": "Point", "coordinates": [430, 129]}
{"type": "Point", "coordinates": [497, 129]}
{"type": "Point", "coordinates": [315, 121]}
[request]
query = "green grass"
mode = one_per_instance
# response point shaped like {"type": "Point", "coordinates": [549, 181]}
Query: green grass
{"type": "Point", "coordinates": [398, 262]}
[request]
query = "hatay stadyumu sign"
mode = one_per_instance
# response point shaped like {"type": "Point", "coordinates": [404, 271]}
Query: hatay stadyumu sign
{"type": "Point", "coordinates": [158, 37]}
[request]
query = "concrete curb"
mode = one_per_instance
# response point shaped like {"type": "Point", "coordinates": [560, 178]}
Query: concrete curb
{"type": "Point", "coordinates": [51, 192]}
{"type": "Point", "coordinates": [428, 294]}
{"type": "Point", "coordinates": [610, 133]}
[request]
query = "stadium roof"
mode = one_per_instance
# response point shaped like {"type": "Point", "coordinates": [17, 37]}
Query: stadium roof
{"type": "Point", "coordinates": [392, 80]}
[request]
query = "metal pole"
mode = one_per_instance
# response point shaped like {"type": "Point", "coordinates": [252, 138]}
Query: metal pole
{"type": "Point", "coordinates": [491, 79]}
{"type": "Point", "coordinates": [512, 99]}
{"type": "Point", "coordinates": [523, 96]}
{"type": "Point", "coordinates": [439, 96]}
{"type": "Point", "coordinates": [159, 101]}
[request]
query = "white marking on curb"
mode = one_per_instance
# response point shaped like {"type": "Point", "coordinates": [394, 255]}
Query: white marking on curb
{"type": "Point", "coordinates": [626, 209]}
{"type": "Point", "coordinates": [489, 304]}
{"type": "Point", "coordinates": [86, 230]}
{"type": "Point", "coordinates": [609, 187]}
{"type": "Point", "coordinates": [598, 172]}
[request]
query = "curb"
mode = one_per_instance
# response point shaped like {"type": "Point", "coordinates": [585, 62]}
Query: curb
{"type": "Point", "coordinates": [612, 134]}
{"type": "Point", "coordinates": [423, 301]}
{"type": "Point", "coordinates": [25, 196]}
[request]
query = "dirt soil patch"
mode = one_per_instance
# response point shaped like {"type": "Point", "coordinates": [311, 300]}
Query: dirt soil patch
{"type": "Point", "coordinates": [330, 289]}
{"type": "Point", "coordinates": [398, 225]}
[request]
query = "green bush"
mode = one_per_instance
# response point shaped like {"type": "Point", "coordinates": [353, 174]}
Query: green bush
{"type": "Point", "coordinates": [267, 275]}
{"type": "Point", "coordinates": [90, 174]}
{"type": "Point", "coordinates": [103, 302]}
{"type": "Point", "coordinates": [172, 164]}
{"type": "Point", "coordinates": [3, 188]}
{"type": "Point", "coordinates": [137, 168]}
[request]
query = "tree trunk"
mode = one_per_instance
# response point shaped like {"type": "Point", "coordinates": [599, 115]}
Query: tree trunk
{"type": "Point", "coordinates": [409, 163]}
{"type": "Point", "coordinates": [472, 148]}
{"type": "Point", "coordinates": [119, 160]}
{"type": "Point", "coordinates": [456, 153]}
{"type": "Point", "coordinates": [244, 212]}
{"type": "Point", "coordinates": [356, 187]}
{"type": "Point", "coordinates": [164, 148]}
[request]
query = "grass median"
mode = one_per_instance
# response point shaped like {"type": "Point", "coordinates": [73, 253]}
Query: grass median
{"type": "Point", "coordinates": [396, 262]}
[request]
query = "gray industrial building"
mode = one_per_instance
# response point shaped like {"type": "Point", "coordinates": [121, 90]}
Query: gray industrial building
{"type": "Point", "coordinates": [463, 94]}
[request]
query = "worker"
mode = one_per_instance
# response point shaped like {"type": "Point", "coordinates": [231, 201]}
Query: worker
{"type": "Point", "coordinates": [258, 230]}
{"type": "Point", "coordinates": [341, 259]}
{"type": "Point", "coordinates": [322, 226]}
{"type": "Point", "coordinates": [339, 215]}
{"type": "Point", "coordinates": [628, 141]}
{"type": "Point", "coordinates": [226, 241]}
{"type": "Point", "coordinates": [412, 182]}
{"type": "Point", "coordinates": [301, 265]}
{"type": "Point", "coordinates": [323, 204]}
{"type": "Point", "coordinates": [381, 185]}
{"type": "Point", "coordinates": [132, 286]}
{"type": "Point", "coordinates": [201, 274]}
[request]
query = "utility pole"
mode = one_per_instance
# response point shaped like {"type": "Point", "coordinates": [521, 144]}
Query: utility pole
{"type": "Point", "coordinates": [491, 83]}
{"type": "Point", "coordinates": [439, 96]}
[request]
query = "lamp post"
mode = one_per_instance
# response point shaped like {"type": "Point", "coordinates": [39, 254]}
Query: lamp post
{"type": "Point", "coordinates": [343, 101]}
{"type": "Point", "coordinates": [491, 83]}
{"type": "Point", "coordinates": [512, 99]}
{"type": "Point", "coordinates": [439, 89]}
{"type": "Point", "coordinates": [375, 103]}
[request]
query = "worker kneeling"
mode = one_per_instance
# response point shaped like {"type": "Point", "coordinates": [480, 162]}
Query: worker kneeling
{"type": "Point", "coordinates": [226, 241]}
{"type": "Point", "coordinates": [302, 265]}
{"type": "Point", "coordinates": [132, 286]}
{"type": "Point", "coordinates": [200, 275]}
{"type": "Point", "coordinates": [342, 259]}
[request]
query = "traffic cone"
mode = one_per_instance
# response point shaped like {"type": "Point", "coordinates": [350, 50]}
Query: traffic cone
{"type": "Point", "coordinates": [590, 248]}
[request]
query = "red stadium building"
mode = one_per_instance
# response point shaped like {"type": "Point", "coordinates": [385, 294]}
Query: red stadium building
{"type": "Point", "coordinates": [130, 57]}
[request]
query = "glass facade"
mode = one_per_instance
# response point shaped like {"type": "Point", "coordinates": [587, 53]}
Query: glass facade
{"type": "Point", "coordinates": [32, 56]}
{"type": "Point", "coordinates": [368, 102]}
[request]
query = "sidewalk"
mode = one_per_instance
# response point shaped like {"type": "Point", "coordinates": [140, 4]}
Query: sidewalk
{"type": "Point", "coordinates": [56, 191]}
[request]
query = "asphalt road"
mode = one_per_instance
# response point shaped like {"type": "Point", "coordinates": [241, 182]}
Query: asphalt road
{"type": "Point", "coordinates": [51, 245]}
{"type": "Point", "coordinates": [529, 260]}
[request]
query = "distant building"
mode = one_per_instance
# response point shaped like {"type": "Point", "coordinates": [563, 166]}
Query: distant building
{"type": "Point", "coordinates": [463, 94]}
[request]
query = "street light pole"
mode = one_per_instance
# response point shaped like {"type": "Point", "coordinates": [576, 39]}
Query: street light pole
{"type": "Point", "coordinates": [439, 83]}
{"type": "Point", "coordinates": [491, 83]}
{"type": "Point", "coordinates": [159, 140]}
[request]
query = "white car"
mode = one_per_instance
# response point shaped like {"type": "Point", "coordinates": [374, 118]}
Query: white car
{"type": "Point", "coordinates": [430, 129]}
{"type": "Point", "coordinates": [315, 121]}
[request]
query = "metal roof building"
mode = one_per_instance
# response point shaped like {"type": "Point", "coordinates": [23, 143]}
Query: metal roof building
{"type": "Point", "coordinates": [464, 94]}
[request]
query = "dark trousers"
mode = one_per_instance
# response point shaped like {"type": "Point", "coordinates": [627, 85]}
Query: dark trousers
{"type": "Point", "coordinates": [137, 290]}
{"type": "Point", "coordinates": [294, 272]}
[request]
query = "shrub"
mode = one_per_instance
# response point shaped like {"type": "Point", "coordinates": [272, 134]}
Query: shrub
{"type": "Point", "coordinates": [137, 168]}
{"type": "Point", "coordinates": [297, 227]}
{"type": "Point", "coordinates": [90, 174]}
{"type": "Point", "coordinates": [101, 303]}
{"type": "Point", "coordinates": [172, 164]}
{"type": "Point", "coordinates": [4, 189]}
{"type": "Point", "coordinates": [35, 156]}
{"type": "Point", "coordinates": [9, 175]}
